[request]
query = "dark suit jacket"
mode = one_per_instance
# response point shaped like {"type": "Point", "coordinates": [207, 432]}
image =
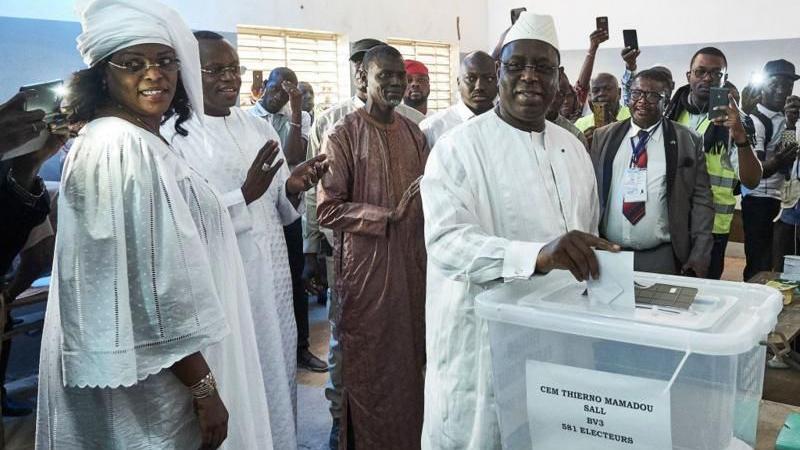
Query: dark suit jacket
{"type": "Point", "coordinates": [689, 201]}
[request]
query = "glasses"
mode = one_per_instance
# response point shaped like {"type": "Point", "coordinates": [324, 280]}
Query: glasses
{"type": "Point", "coordinates": [648, 96]}
{"type": "Point", "coordinates": [137, 66]}
{"type": "Point", "coordinates": [702, 73]}
{"type": "Point", "coordinates": [218, 71]}
{"type": "Point", "coordinates": [543, 70]}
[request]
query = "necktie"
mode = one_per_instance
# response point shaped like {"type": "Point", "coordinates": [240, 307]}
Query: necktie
{"type": "Point", "coordinates": [634, 211]}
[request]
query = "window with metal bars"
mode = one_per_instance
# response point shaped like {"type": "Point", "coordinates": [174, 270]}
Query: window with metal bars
{"type": "Point", "coordinates": [437, 56]}
{"type": "Point", "coordinates": [314, 56]}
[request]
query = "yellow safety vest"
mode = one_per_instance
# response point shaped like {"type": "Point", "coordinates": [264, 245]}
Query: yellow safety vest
{"type": "Point", "coordinates": [722, 180]}
{"type": "Point", "coordinates": [586, 122]}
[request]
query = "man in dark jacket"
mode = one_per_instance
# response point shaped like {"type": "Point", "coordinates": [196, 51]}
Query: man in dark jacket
{"type": "Point", "coordinates": [653, 185]}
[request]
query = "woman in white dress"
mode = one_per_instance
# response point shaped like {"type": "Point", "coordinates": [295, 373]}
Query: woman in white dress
{"type": "Point", "coordinates": [149, 302]}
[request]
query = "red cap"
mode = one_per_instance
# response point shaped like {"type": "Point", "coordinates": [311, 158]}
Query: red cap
{"type": "Point", "coordinates": [415, 68]}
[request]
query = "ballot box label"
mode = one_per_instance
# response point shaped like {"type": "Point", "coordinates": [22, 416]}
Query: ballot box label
{"type": "Point", "coordinates": [582, 409]}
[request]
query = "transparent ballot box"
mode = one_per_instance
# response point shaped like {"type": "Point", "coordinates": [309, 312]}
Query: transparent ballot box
{"type": "Point", "coordinates": [568, 376]}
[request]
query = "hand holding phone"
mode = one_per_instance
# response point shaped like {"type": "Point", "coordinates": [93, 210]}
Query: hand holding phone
{"type": "Point", "coordinates": [17, 126]}
{"type": "Point", "coordinates": [46, 97]}
{"type": "Point", "coordinates": [718, 103]}
{"type": "Point", "coordinates": [26, 119]}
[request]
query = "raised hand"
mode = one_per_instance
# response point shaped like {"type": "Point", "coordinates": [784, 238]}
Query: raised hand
{"type": "Point", "coordinates": [597, 37]}
{"type": "Point", "coordinates": [261, 172]}
{"type": "Point", "coordinates": [629, 55]}
{"type": "Point", "coordinates": [295, 95]}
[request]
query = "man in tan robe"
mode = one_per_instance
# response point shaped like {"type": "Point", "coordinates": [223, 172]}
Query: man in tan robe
{"type": "Point", "coordinates": [370, 200]}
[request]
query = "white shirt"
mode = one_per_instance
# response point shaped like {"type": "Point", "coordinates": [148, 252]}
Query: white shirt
{"type": "Point", "coordinates": [441, 122]}
{"type": "Point", "coordinates": [493, 196]}
{"type": "Point", "coordinates": [224, 156]}
{"type": "Point", "coordinates": [305, 125]}
{"type": "Point", "coordinates": [653, 229]}
{"type": "Point", "coordinates": [768, 187]}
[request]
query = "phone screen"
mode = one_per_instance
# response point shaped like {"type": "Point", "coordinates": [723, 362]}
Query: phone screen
{"type": "Point", "coordinates": [602, 23]}
{"type": "Point", "coordinates": [718, 97]}
{"type": "Point", "coordinates": [45, 96]}
{"type": "Point", "coordinates": [631, 39]}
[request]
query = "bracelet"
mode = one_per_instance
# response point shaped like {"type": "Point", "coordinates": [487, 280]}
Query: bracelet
{"type": "Point", "coordinates": [294, 124]}
{"type": "Point", "coordinates": [206, 387]}
{"type": "Point", "coordinates": [28, 198]}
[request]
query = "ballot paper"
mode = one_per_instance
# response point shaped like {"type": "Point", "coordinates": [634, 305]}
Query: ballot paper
{"type": "Point", "coordinates": [614, 288]}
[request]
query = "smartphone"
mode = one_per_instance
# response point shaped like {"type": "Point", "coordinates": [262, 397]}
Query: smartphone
{"type": "Point", "coordinates": [599, 110]}
{"type": "Point", "coordinates": [515, 13]}
{"type": "Point", "coordinates": [46, 96]}
{"type": "Point", "coordinates": [630, 38]}
{"type": "Point", "coordinates": [602, 23]}
{"type": "Point", "coordinates": [718, 97]}
{"type": "Point", "coordinates": [258, 78]}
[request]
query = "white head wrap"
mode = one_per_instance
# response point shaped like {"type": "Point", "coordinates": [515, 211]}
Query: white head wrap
{"type": "Point", "coordinates": [112, 25]}
{"type": "Point", "coordinates": [533, 26]}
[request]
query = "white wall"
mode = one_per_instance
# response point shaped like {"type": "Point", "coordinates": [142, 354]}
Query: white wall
{"type": "Point", "coordinates": [418, 19]}
{"type": "Point", "coordinates": [658, 22]}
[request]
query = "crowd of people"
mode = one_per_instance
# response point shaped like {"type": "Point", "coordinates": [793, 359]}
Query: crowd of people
{"type": "Point", "coordinates": [190, 230]}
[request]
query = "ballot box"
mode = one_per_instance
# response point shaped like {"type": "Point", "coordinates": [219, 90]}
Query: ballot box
{"type": "Point", "coordinates": [570, 376]}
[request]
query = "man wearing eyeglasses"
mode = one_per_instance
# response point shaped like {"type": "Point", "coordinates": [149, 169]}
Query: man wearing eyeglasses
{"type": "Point", "coordinates": [506, 195]}
{"type": "Point", "coordinates": [241, 156]}
{"type": "Point", "coordinates": [728, 152]}
{"type": "Point", "coordinates": [653, 184]}
{"type": "Point", "coordinates": [477, 86]}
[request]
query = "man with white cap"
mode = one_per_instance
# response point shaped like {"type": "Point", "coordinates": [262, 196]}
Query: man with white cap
{"type": "Point", "coordinates": [148, 340]}
{"type": "Point", "coordinates": [506, 196]}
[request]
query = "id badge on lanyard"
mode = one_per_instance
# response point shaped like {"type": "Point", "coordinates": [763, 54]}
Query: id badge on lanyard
{"type": "Point", "coordinates": [634, 185]}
